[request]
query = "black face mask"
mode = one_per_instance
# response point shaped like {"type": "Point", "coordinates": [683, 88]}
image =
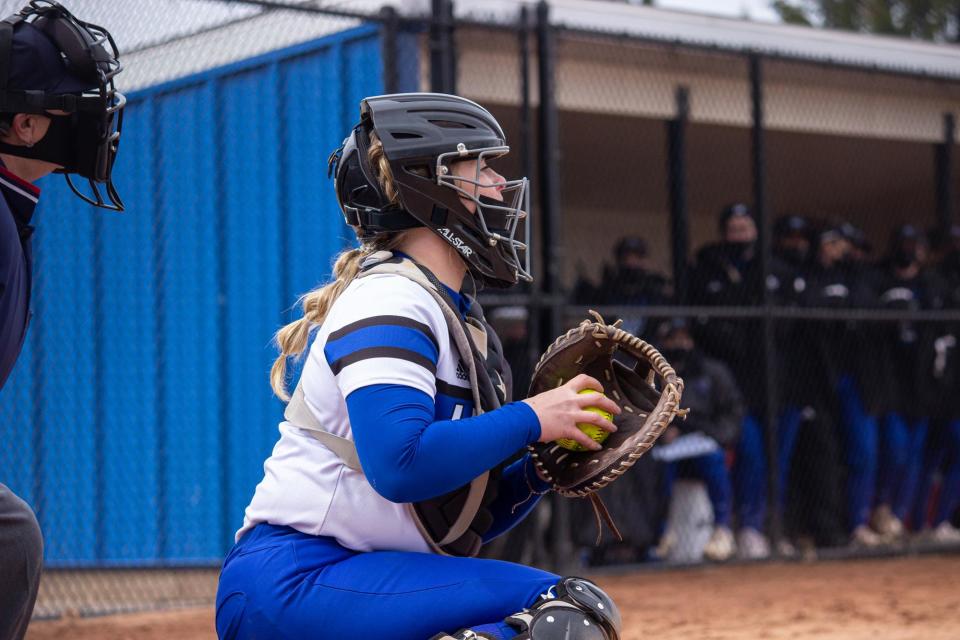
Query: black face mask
{"type": "Point", "coordinates": [58, 146]}
{"type": "Point", "coordinates": [630, 273]}
{"type": "Point", "coordinates": [903, 258]}
{"type": "Point", "coordinates": [793, 255]}
{"type": "Point", "coordinates": [74, 142]}
{"type": "Point", "coordinates": [740, 250]}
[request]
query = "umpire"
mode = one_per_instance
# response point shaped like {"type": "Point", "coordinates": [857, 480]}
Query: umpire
{"type": "Point", "coordinates": [59, 112]}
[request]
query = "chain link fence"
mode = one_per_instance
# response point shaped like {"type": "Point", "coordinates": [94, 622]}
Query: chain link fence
{"type": "Point", "coordinates": [783, 228]}
{"type": "Point", "coordinates": [747, 214]}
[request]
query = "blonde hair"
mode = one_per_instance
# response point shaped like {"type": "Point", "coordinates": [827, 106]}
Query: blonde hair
{"type": "Point", "coordinates": [292, 338]}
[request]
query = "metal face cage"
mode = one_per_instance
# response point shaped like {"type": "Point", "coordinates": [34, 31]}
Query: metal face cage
{"type": "Point", "coordinates": [499, 221]}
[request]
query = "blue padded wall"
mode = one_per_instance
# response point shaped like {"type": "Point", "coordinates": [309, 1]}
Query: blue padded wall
{"type": "Point", "coordinates": [139, 415]}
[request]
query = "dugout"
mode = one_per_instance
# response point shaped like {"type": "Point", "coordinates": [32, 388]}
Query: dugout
{"type": "Point", "coordinates": [854, 126]}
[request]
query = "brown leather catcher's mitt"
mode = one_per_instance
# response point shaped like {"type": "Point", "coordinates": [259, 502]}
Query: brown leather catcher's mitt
{"type": "Point", "coordinates": [635, 376]}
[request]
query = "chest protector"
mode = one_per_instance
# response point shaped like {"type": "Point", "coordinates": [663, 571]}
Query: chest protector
{"type": "Point", "coordinates": [454, 523]}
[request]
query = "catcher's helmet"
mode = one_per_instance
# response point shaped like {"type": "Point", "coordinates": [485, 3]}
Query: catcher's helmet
{"type": "Point", "coordinates": [422, 135]}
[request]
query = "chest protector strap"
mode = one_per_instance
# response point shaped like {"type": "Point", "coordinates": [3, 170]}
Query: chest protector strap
{"type": "Point", "coordinates": [452, 524]}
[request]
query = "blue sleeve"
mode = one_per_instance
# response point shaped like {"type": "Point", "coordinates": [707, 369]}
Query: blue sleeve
{"type": "Point", "coordinates": [520, 491]}
{"type": "Point", "coordinates": [408, 456]}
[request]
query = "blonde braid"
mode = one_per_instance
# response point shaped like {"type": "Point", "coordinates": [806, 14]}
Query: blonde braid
{"type": "Point", "coordinates": [292, 338]}
{"type": "Point", "coordinates": [381, 166]}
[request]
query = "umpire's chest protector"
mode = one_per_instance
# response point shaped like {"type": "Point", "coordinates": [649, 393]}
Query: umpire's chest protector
{"type": "Point", "coordinates": [453, 523]}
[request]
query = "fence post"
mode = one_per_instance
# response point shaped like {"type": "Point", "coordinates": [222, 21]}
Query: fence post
{"type": "Point", "coordinates": [549, 156]}
{"type": "Point", "coordinates": [389, 25]}
{"type": "Point", "coordinates": [946, 214]}
{"type": "Point", "coordinates": [227, 522]}
{"type": "Point", "coordinates": [451, 68]}
{"type": "Point", "coordinates": [526, 133]}
{"type": "Point", "coordinates": [535, 319]}
{"type": "Point", "coordinates": [770, 405]}
{"type": "Point", "coordinates": [677, 175]}
{"type": "Point", "coordinates": [442, 52]}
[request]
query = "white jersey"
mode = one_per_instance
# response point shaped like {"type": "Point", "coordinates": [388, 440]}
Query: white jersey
{"type": "Point", "coordinates": [383, 329]}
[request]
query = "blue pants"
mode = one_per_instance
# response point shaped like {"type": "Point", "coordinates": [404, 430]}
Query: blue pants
{"type": "Point", "coordinates": [712, 470]}
{"type": "Point", "coordinates": [943, 455]}
{"type": "Point", "coordinates": [901, 463]}
{"type": "Point", "coordinates": [750, 470]}
{"type": "Point", "coordinates": [281, 584]}
{"type": "Point", "coordinates": [861, 443]}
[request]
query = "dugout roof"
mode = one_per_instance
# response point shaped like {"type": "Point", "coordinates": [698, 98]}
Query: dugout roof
{"type": "Point", "coordinates": [167, 39]}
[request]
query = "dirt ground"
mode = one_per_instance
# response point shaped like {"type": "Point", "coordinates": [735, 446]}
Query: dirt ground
{"type": "Point", "coordinates": [893, 599]}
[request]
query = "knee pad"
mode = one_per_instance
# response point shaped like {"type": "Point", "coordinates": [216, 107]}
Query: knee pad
{"type": "Point", "coordinates": [574, 609]}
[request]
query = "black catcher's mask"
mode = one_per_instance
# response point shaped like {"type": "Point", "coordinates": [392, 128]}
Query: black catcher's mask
{"type": "Point", "coordinates": [51, 61]}
{"type": "Point", "coordinates": [423, 135]}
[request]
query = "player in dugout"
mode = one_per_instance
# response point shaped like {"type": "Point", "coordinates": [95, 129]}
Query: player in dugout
{"type": "Point", "coordinates": [904, 283]}
{"type": "Point", "coordinates": [696, 447]}
{"type": "Point", "coordinates": [59, 112]}
{"type": "Point", "coordinates": [372, 507]}
{"type": "Point", "coordinates": [933, 509]}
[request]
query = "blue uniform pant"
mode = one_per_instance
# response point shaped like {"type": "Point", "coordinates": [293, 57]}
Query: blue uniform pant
{"type": "Point", "coordinates": [750, 470]}
{"type": "Point", "coordinates": [943, 456]}
{"type": "Point", "coordinates": [712, 470]}
{"type": "Point", "coordinates": [861, 445]}
{"type": "Point", "coordinates": [281, 584]}
{"type": "Point", "coordinates": [901, 463]}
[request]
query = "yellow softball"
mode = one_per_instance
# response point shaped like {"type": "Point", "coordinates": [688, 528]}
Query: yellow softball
{"type": "Point", "coordinates": [592, 430]}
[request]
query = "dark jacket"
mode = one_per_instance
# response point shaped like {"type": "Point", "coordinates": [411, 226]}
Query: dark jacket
{"type": "Point", "coordinates": [19, 198]}
{"type": "Point", "coordinates": [722, 277]}
{"type": "Point", "coordinates": [903, 351]}
{"type": "Point", "coordinates": [945, 364]}
{"type": "Point", "coordinates": [828, 349]}
{"type": "Point", "coordinates": [787, 283]}
{"type": "Point", "coordinates": [711, 394]}
{"type": "Point", "coordinates": [787, 286]}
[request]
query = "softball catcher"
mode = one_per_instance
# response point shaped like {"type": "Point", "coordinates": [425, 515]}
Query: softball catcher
{"type": "Point", "coordinates": [390, 471]}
